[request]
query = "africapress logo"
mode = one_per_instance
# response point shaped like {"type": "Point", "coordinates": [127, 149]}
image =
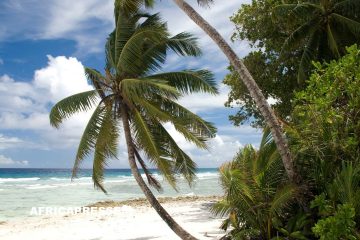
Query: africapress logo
{"type": "Point", "coordinates": [47, 211]}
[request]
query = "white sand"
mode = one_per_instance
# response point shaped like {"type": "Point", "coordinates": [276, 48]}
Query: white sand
{"type": "Point", "coordinates": [131, 222]}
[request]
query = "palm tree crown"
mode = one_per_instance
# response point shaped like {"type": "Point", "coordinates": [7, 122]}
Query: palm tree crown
{"type": "Point", "coordinates": [131, 88]}
{"type": "Point", "coordinates": [326, 26]}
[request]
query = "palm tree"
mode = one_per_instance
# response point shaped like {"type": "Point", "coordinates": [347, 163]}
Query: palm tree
{"type": "Point", "coordinates": [256, 194]}
{"type": "Point", "coordinates": [133, 93]}
{"type": "Point", "coordinates": [326, 27]}
{"type": "Point", "coordinates": [248, 80]}
{"type": "Point", "coordinates": [254, 90]}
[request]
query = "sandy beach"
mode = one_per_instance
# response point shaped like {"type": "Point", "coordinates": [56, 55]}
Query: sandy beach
{"type": "Point", "coordinates": [134, 219]}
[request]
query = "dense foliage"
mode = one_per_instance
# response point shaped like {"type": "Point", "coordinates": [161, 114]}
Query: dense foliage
{"type": "Point", "coordinates": [286, 38]}
{"type": "Point", "coordinates": [324, 134]}
{"type": "Point", "coordinates": [326, 28]}
{"type": "Point", "coordinates": [326, 129]}
{"type": "Point", "coordinates": [276, 77]}
{"type": "Point", "coordinates": [256, 191]}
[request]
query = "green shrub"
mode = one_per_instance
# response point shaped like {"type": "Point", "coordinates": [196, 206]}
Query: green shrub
{"type": "Point", "coordinates": [256, 192]}
{"type": "Point", "coordinates": [326, 121]}
{"type": "Point", "coordinates": [337, 225]}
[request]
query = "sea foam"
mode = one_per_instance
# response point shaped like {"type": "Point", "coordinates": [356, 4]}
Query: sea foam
{"type": "Point", "coordinates": [4, 180]}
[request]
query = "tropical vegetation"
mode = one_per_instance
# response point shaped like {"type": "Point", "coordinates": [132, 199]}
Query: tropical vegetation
{"type": "Point", "coordinates": [305, 60]}
{"type": "Point", "coordinates": [257, 192]}
{"type": "Point", "coordinates": [324, 136]}
{"type": "Point", "coordinates": [135, 96]}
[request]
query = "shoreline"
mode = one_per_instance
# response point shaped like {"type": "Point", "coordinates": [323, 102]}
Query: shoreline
{"type": "Point", "coordinates": [136, 219]}
{"type": "Point", "coordinates": [142, 202]}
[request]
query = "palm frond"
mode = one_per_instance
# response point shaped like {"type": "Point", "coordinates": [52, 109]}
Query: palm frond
{"type": "Point", "coordinates": [347, 7]}
{"type": "Point", "coordinates": [183, 163]}
{"type": "Point", "coordinates": [143, 136]}
{"type": "Point", "coordinates": [190, 81]}
{"type": "Point", "coordinates": [332, 42]}
{"type": "Point", "coordinates": [89, 138]}
{"type": "Point", "coordinates": [151, 179]}
{"type": "Point", "coordinates": [195, 137]}
{"type": "Point", "coordinates": [96, 77]}
{"type": "Point", "coordinates": [110, 53]}
{"type": "Point", "coordinates": [299, 10]}
{"type": "Point", "coordinates": [351, 25]}
{"type": "Point", "coordinates": [282, 199]}
{"type": "Point", "coordinates": [153, 20]}
{"type": "Point", "coordinates": [67, 107]}
{"type": "Point", "coordinates": [124, 29]}
{"type": "Point", "coordinates": [300, 34]}
{"type": "Point", "coordinates": [221, 208]}
{"type": "Point", "coordinates": [308, 56]}
{"type": "Point", "coordinates": [147, 89]}
{"type": "Point", "coordinates": [131, 56]}
{"type": "Point", "coordinates": [184, 44]}
{"type": "Point", "coordinates": [131, 6]}
{"type": "Point", "coordinates": [145, 140]}
{"type": "Point", "coordinates": [345, 186]}
{"type": "Point", "coordinates": [105, 147]}
{"type": "Point", "coordinates": [153, 110]}
{"type": "Point", "coordinates": [189, 119]}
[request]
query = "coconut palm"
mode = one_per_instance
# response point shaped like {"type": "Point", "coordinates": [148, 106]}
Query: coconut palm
{"type": "Point", "coordinates": [254, 90]}
{"type": "Point", "coordinates": [255, 191]}
{"type": "Point", "coordinates": [133, 94]}
{"type": "Point", "coordinates": [245, 76]}
{"type": "Point", "coordinates": [326, 28]}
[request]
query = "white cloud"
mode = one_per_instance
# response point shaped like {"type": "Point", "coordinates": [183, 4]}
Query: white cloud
{"type": "Point", "coordinates": [222, 148]}
{"type": "Point", "coordinates": [88, 22]}
{"type": "Point", "coordinates": [9, 162]}
{"type": "Point", "coordinates": [9, 142]}
{"type": "Point", "coordinates": [61, 78]}
{"type": "Point", "coordinates": [203, 102]}
{"type": "Point", "coordinates": [25, 106]}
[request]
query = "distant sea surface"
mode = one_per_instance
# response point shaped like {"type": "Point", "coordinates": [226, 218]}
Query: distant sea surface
{"type": "Point", "coordinates": [22, 189]}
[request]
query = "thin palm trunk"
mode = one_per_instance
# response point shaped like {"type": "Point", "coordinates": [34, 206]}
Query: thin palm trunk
{"type": "Point", "coordinates": [149, 195]}
{"type": "Point", "coordinates": [252, 87]}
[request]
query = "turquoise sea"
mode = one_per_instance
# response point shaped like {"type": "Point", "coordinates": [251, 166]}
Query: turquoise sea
{"type": "Point", "coordinates": [22, 189]}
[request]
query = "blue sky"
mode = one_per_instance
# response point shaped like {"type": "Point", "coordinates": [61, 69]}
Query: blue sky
{"type": "Point", "coordinates": [43, 48]}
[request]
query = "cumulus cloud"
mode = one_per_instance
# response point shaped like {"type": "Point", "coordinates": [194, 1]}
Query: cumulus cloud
{"type": "Point", "coordinates": [81, 20]}
{"type": "Point", "coordinates": [6, 161]}
{"type": "Point", "coordinates": [222, 148]}
{"type": "Point", "coordinates": [203, 102]}
{"type": "Point", "coordinates": [9, 142]}
{"type": "Point", "coordinates": [61, 78]}
{"type": "Point", "coordinates": [25, 105]}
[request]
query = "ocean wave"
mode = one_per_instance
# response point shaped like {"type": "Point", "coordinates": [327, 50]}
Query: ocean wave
{"type": "Point", "coordinates": [39, 186]}
{"type": "Point", "coordinates": [207, 175]}
{"type": "Point", "coordinates": [4, 180]}
{"type": "Point", "coordinates": [60, 179]}
{"type": "Point", "coordinates": [82, 178]}
{"type": "Point", "coordinates": [117, 181]}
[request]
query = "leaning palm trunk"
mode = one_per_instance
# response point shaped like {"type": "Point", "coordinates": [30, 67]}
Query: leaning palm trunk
{"type": "Point", "coordinates": [251, 85]}
{"type": "Point", "coordinates": [147, 192]}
